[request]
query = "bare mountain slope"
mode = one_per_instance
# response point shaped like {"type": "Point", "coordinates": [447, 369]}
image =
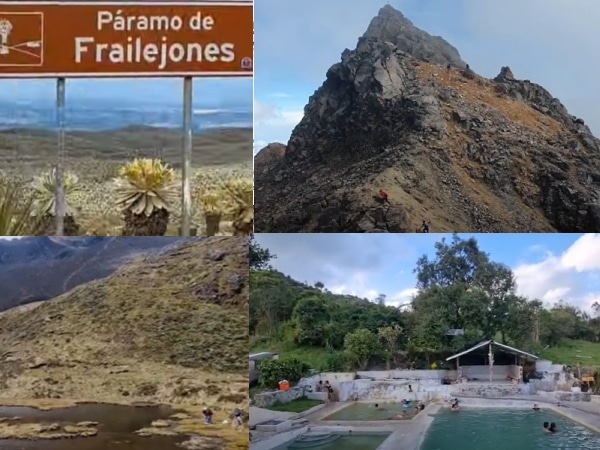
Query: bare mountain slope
{"type": "Point", "coordinates": [402, 113]}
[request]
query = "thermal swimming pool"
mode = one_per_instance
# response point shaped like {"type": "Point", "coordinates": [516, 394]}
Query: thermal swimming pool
{"type": "Point", "coordinates": [367, 412]}
{"type": "Point", "coordinates": [336, 441]}
{"type": "Point", "coordinates": [502, 429]}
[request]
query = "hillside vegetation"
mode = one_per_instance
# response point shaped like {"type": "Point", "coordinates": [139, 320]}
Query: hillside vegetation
{"type": "Point", "coordinates": [170, 327]}
{"type": "Point", "coordinates": [460, 288]}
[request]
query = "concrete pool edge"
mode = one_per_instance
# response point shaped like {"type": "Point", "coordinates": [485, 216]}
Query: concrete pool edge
{"type": "Point", "coordinates": [577, 416]}
{"type": "Point", "coordinates": [411, 436]}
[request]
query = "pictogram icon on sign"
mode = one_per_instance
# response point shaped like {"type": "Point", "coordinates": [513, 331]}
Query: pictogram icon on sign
{"type": "Point", "coordinates": [21, 39]}
{"type": "Point", "coordinates": [247, 63]}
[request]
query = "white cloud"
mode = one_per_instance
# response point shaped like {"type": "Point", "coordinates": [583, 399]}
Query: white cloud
{"type": "Point", "coordinates": [280, 95]}
{"type": "Point", "coordinates": [563, 277]}
{"type": "Point", "coordinates": [270, 114]}
{"type": "Point", "coordinates": [402, 297]}
{"type": "Point", "coordinates": [584, 254]}
{"type": "Point", "coordinates": [274, 123]}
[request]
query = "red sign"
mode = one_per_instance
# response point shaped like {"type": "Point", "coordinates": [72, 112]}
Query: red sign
{"type": "Point", "coordinates": [125, 39]}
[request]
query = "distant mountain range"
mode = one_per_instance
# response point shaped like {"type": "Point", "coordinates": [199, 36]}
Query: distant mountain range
{"type": "Point", "coordinates": [39, 268]}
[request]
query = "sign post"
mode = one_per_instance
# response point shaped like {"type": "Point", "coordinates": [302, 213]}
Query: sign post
{"type": "Point", "coordinates": [60, 200]}
{"type": "Point", "coordinates": [63, 40]}
{"type": "Point", "coordinates": [186, 166]}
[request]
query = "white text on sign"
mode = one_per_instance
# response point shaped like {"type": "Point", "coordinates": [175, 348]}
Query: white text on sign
{"type": "Point", "coordinates": [133, 49]}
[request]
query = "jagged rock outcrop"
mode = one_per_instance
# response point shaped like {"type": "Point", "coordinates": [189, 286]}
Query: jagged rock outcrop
{"type": "Point", "coordinates": [449, 146]}
{"type": "Point", "coordinates": [391, 26]}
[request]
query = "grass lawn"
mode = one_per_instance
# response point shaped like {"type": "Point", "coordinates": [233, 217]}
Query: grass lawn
{"type": "Point", "coordinates": [571, 352]}
{"type": "Point", "coordinates": [297, 406]}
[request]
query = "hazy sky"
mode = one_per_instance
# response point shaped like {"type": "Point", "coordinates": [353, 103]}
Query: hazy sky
{"type": "Point", "coordinates": [549, 267]}
{"type": "Point", "coordinates": [207, 91]}
{"type": "Point", "coordinates": [554, 43]}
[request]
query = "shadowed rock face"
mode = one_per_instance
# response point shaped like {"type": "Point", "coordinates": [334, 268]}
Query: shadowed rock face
{"type": "Point", "coordinates": [40, 268]}
{"type": "Point", "coordinates": [402, 112]}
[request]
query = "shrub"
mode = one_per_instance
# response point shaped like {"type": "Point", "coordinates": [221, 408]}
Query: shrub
{"type": "Point", "coordinates": [272, 371]}
{"type": "Point", "coordinates": [337, 362]}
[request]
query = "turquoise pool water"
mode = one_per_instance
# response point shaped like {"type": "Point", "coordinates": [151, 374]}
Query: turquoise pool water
{"type": "Point", "coordinates": [333, 441]}
{"type": "Point", "coordinates": [506, 429]}
{"type": "Point", "coordinates": [367, 411]}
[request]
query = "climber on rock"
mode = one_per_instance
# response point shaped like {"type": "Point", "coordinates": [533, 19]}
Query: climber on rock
{"type": "Point", "coordinates": [425, 227]}
{"type": "Point", "coordinates": [384, 197]}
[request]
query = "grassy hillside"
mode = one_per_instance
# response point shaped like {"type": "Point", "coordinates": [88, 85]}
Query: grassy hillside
{"type": "Point", "coordinates": [570, 352]}
{"type": "Point", "coordinates": [170, 328]}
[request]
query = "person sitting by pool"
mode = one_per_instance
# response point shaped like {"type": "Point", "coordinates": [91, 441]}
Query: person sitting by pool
{"type": "Point", "coordinates": [421, 406]}
{"type": "Point", "coordinates": [454, 406]}
{"type": "Point", "coordinates": [536, 407]}
{"type": "Point", "coordinates": [546, 427]}
{"type": "Point", "coordinates": [552, 428]}
{"type": "Point", "coordinates": [406, 403]}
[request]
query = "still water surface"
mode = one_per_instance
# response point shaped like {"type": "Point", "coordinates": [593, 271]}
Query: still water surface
{"type": "Point", "coordinates": [115, 430]}
{"type": "Point", "coordinates": [506, 429]}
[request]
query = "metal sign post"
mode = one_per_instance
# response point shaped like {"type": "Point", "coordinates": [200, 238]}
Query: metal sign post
{"type": "Point", "coordinates": [186, 167]}
{"type": "Point", "coordinates": [59, 201]}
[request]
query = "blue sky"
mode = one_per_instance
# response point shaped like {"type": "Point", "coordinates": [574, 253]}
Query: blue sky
{"type": "Point", "coordinates": [208, 92]}
{"type": "Point", "coordinates": [550, 42]}
{"type": "Point", "coordinates": [549, 267]}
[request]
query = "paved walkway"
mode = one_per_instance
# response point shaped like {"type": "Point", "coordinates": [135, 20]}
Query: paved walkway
{"type": "Point", "coordinates": [260, 415]}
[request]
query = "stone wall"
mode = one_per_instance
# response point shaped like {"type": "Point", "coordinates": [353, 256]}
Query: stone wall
{"type": "Point", "coordinates": [265, 399]}
{"type": "Point", "coordinates": [372, 390]}
{"type": "Point", "coordinates": [482, 373]}
{"type": "Point", "coordinates": [487, 390]}
{"type": "Point", "coordinates": [573, 396]}
{"type": "Point", "coordinates": [404, 374]}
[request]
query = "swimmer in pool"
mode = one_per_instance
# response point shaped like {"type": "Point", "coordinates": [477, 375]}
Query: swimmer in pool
{"type": "Point", "coordinates": [552, 428]}
{"type": "Point", "coordinates": [536, 407]}
{"type": "Point", "coordinates": [454, 406]}
{"type": "Point", "coordinates": [546, 427]}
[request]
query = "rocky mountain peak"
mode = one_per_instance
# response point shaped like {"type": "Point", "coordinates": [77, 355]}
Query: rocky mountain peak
{"type": "Point", "coordinates": [402, 112]}
{"type": "Point", "coordinates": [391, 26]}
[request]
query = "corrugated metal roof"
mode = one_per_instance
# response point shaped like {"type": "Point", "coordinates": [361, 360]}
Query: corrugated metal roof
{"type": "Point", "coordinates": [494, 343]}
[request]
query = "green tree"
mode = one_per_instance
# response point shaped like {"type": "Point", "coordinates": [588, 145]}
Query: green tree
{"type": "Point", "coordinates": [487, 285]}
{"type": "Point", "coordinates": [361, 345]}
{"type": "Point", "coordinates": [389, 336]}
{"type": "Point", "coordinates": [311, 316]}
{"type": "Point", "coordinates": [260, 258]}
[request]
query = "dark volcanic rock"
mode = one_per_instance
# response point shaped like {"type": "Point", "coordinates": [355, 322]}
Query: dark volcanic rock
{"type": "Point", "coordinates": [391, 26]}
{"type": "Point", "coordinates": [402, 112]}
